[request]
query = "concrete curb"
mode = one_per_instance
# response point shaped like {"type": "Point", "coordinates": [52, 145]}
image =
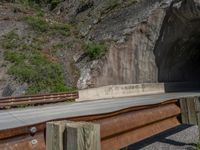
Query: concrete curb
{"type": "Point", "coordinates": [116, 91]}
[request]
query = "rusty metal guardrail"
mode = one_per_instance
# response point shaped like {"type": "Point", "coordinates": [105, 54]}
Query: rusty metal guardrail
{"type": "Point", "coordinates": [118, 129]}
{"type": "Point", "coordinates": [7, 102]}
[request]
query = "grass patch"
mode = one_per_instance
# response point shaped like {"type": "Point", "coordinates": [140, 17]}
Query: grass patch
{"type": "Point", "coordinates": [111, 4]}
{"type": "Point", "coordinates": [59, 46]}
{"type": "Point", "coordinates": [95, 50]}
{"type": "Point", "coordinates": [30, 65]}
{"type": "Point", "coordinates": [11, 40]}
{"type": "Point", "coordinates": [26, 5]}
{"type": "Point", "coordinates": [27, 2]}
{"type": "Point", "coordinates": [14, 57]}
{"type": "Point", "coordinates": [198, 146]}
{"type": "Point", "coordinates": [38, 4]}
{"type": "Point", "coordinates": [60, 28]}
{"type": "Point", "coordinates": [39, 24]}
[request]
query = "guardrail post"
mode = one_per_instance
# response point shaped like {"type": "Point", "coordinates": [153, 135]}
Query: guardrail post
{"type": "Point", "coordinates": [67, 135]}
{"type": "Point", "coordinates": [190, 110]}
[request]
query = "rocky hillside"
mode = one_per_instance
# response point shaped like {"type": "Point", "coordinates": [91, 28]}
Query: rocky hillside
{"type": "Point", "coordinates": [63, 45]}
{"type": "Point", "coordinates": [37, 51]}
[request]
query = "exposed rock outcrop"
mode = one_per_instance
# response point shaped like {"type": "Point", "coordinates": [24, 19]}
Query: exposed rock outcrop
{"type": "Point", "coordinates": [151, 41]}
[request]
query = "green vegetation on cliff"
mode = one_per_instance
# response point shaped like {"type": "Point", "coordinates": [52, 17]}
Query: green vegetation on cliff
{"type": "Point", "coordinates": [198, 145]}
{"type": "Point", "coordinates": [40, 46]}
{"type": "Point", "coordinates": [29, 64]}
{"type": "Point", "coordinates": [40, 24]}
{"type": "Point", "coordinates": [95, 50]}
{"type": "Point", "coordinates": [52, 3]}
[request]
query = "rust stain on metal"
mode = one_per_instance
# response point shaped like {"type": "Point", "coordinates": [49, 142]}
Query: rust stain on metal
{"type": "Point", "coordinates": [37, 99]}
{"type": "Point", "coordinates": [124, 139]}
{"type": "Point", "coordinates": [131, 120]}
{"type": "Point", "coordinates": [41, 126]}
{"type": "Point", "coordinates": [35, 142]}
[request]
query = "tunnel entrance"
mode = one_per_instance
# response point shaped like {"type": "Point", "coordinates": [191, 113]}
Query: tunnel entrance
{"type": "Point", "coordinates": [177, 50]}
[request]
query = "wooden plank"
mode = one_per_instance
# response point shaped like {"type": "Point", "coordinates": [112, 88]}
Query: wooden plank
{"type": "Point", "coordinates": [191, 111]}
{"type": "Point", "coordinates": [184, 110]}
{"type": "Point", "coordinates": [54, 135]}
{"type": "Point", "coordinates": [67, 135]}
{"type": "Point", "coordinates": [83, 136]}
{"type": "Point", "coordinates": [197, 110]}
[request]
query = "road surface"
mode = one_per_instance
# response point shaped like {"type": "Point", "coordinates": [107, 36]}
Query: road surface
{"type": "Point", "coordinates": [13, 118]}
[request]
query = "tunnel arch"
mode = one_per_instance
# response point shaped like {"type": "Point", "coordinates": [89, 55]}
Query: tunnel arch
{"type": "Point", "coordinates": [177, 50]}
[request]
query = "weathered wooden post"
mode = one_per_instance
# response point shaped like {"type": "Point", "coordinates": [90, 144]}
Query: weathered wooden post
{"type": "Point", "coordinates": [54, 135]}
{"type": "Point", "coordinates": [67, 135]}
{"type": "Point", "coordinates": [190, 110]}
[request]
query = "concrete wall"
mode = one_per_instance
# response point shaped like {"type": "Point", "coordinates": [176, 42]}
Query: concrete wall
{"type": "Point", "coordinates": [115, 91]}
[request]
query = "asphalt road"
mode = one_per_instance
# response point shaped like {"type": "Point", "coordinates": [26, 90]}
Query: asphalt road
{"type": "Point", "coordinates": [27, 116]}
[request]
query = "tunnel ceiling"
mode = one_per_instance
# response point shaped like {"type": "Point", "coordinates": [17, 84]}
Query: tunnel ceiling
{"type": "Point", "coordinates": [177, 51]}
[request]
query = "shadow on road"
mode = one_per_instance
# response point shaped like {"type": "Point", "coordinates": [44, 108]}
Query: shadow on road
{"type": "Point", "coordinates": [162, 138]}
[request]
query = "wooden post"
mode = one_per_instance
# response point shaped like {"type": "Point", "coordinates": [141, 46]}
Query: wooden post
{"type": "Point", "coordinates": [197, 109]}
{"type": "Point", "coordinates": [184, 110]}
{"type": "Point", "coordinates": [190, 110]}
{"type": "Point", "coordinates": [65, 135]}
{"type": "Point", "coordinates": [54, 135]}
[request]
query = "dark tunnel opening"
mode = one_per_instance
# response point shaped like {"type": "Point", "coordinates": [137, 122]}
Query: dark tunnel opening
{"type": "Point", "coordinates": [178, 48]}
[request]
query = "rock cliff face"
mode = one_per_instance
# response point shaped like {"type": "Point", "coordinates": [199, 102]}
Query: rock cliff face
{"type": "Point", "coordinates": [151, 41]}
{"type": "Point", "coordinates": [148, 41]}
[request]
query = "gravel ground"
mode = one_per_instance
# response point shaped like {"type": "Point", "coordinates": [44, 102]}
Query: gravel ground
{"type": "Point", "coordinates": [183, 137]}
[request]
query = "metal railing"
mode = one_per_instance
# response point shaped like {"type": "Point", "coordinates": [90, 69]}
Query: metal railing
{"type": "Point", "coordinates": [7, 102]}
{"type": "Point", "coordinates": [118, 129]}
